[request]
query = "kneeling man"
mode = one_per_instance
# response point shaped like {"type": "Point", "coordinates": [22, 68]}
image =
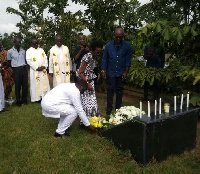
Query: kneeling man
{"type": "Point", "coordinates": [64, 102]}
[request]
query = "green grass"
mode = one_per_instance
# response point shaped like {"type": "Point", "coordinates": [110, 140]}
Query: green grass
{"type": "Point", "coordinates": [27, 145]}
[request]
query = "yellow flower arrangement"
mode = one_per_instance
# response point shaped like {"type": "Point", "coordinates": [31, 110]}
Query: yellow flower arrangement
{"type": "Point", "coordinates": [98, 122]}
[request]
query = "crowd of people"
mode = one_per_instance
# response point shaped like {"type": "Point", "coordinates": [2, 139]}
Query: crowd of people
{"type": "Point", "coordinates": [67, 99]}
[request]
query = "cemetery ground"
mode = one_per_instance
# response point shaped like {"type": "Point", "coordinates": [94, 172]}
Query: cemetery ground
{"type": "Point", "coordinates": [27, 145]}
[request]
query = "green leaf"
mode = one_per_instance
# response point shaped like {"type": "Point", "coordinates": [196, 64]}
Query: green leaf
{"type": "Point", "coordinates": [197, 78]}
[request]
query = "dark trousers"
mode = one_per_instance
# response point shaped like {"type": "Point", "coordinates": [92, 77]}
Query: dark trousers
{"type": "Point", "coordinates": [156, 89]}
{"type": "Point", "coordinates": [20, 76]}
{"type": "Point", "coordinates": [115, 84]}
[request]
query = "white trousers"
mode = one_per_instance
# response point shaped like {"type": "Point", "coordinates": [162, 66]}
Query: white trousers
{"type": "Point", "coordinates": [65, 112]}
{"type": "Point", "coordinates": [67, 117]}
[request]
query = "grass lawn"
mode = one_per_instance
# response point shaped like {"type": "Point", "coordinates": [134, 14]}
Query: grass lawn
{"type": "Point", "coordinates": [27, 145]}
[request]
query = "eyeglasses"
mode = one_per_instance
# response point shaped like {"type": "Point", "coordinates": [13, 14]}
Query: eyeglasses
{"type": "Point", "coordinates": [118, 37]}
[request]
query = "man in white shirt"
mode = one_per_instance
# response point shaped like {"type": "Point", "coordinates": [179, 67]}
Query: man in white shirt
{"type": "Point", "coordinates": [39, 82]}
{"type": "Point", "coordinates": [64, 102]}
{"type": "Point", "coordinates": [59, 63]}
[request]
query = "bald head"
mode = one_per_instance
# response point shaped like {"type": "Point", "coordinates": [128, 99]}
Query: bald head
{"type": "Point", "coordinates": [119, 31]}
{"type": "Point", "coordinates": [119, 35]}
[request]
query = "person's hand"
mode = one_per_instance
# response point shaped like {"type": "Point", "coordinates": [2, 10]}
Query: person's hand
{"type": "Point", "coordinates": [91, 128]}
{"type": "Point", "coordinates": [40, 68]}
{"type": "Point", "coordinates": [98, 78]}
{"type": "Point", "coordinates": [82, 48]}
{"type": "Point", "coordinates": [51, 74]}
{"type": "Point", "coordinates": [90, 87]}
{"type": "Point", "coordinates": [103, 74]}
{"type": "Point", "coordinates": [43, 67]}
{"type": "Point", "coordinates": [87, 49]}
{"type": "Point", "coordinates": [124, 76]}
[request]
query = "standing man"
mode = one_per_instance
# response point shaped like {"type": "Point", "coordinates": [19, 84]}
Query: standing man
{"type": "Point", "coordinates": [115, 64]}
{"type": "Point", "coordinates": [39, 82]}
{"type": "Point", "coordinates": [59, 63]}
{"type": "Point", "coordinates": [79, 52]}
{"type": "Point", "coordinates": [155, 56]}
{"type": "Point", "coordinates": [64, 102]}
{"type": "Point", "coordinates": [16, 59]}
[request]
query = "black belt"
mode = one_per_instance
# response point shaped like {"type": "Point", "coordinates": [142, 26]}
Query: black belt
{"type": "Point", "coordinates": [19, 67]}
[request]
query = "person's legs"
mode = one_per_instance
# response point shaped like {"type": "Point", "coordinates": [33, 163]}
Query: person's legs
{"type": "Point", "coordinates": [146, 88]}
{"type": "Point", "coordinates": [67, 116]}
{"type": "Point", "coordinates": [110, 92]}
{"type": "Point", "coordinates": [17, 80]}
{"type": "Point", "coordinates": [24, 85]}
{"type": "Point", "coordinates": [119, 92]}
{"type": "Point", "coordinates": [156, 89]}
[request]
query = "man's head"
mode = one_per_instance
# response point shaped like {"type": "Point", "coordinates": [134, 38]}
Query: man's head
{"type": "Point", "coordinates": [156, 39]}
{"type": "Point", "coordinates": [119, 35]}
{"type": "Point", "coordinates": [81, 85]}
{"type": "Point", "coordinates": [96, 48]}
{"type": "Point", "coordinates": [17, 42]}
{"type": "Point", "coordinates": [58, 40]}
{"type": "Point", "coordinates": [81, 39]}
{"type": "Point", "coordinates": [34, 43]}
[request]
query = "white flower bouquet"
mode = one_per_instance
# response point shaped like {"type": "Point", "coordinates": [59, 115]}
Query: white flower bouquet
{"type": "Point", "coordinates": [123, 114]}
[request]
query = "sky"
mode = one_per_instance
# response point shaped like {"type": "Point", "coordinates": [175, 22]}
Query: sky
{"type": "Point", "coordinates": [8, 21]}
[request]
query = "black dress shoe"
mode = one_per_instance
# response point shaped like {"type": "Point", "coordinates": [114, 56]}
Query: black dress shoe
{"type": "Point", "coordinates": [18, 104]}
{"type": "Point", "coordinates": [3, 110]}
{"type": "Point", "coordinates": [108, 113]}
{"type": "Point", "coordinates": [25, 103]}
{"type": "Point", "coordinates": [61, 135]}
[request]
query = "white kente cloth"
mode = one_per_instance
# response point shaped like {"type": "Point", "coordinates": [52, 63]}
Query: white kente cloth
{"type": "Point", "coordinates": [64, 102]}
{"type": "Point", "coordinates": [88, 98]}
{"type": "Point", "coordinates": [60, 64]}
{"type": "Point", "coordinates": [2, 101]}
{"type": "Point", "coordinates": [39, 82]}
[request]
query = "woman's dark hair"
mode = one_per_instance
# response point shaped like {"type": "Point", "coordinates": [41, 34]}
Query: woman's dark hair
{"type": "Point", "coordinates": [96, 44]}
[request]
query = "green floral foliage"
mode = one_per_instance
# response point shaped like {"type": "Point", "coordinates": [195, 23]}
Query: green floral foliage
{"type": "Point", "coordinates": [174, 78]}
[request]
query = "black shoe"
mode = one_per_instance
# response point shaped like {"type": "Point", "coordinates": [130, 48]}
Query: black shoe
{"type": "Point", "coordinates": [108, 113]}
{"type": "Point", "coordinates": [3, 110]}
{"type": "Point", "coordinates": [18, 104]}
{"type": "Point", "coordinates": [25, 103]}
{"type": "Point", "coordinates": [61, 135]}
{"type": "Point", "coordinates": [39, 101]}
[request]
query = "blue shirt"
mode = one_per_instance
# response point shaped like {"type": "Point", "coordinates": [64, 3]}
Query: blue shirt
{"type": "Point", "coordinates": [116, 59]}
{"type": "Point", "coordinates": [17, 58]}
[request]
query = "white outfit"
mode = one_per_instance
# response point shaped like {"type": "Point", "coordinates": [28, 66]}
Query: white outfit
{"type": "Point", "coordinates": [64, 63]}
{"type": "Point", "coordinates": [64, 102]}
{"type": "Point", "coordinates": [2, 101]}
{"type": "Point", "coordinates": [37, 58]}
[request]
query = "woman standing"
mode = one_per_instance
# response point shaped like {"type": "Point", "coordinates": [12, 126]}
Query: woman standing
{"type": "Point", "coordinates": [6, 74]}
{"type": "Point", "coordinates": [87, 73]}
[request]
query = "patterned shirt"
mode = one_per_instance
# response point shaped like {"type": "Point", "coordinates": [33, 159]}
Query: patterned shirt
{"type": "Point", "coordinates": [91, 65]}
{"type": "Point", "coordinates": [17, 58]}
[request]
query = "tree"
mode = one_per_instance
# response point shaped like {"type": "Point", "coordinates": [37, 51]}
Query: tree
{"type": "Point", "coordinates": [102, 16]}
{"type": "Point", "coordinates": [33, 22]}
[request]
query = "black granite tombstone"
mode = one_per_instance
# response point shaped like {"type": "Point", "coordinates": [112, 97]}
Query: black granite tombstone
{"type": "Point", "coordinates": [156, 137]}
